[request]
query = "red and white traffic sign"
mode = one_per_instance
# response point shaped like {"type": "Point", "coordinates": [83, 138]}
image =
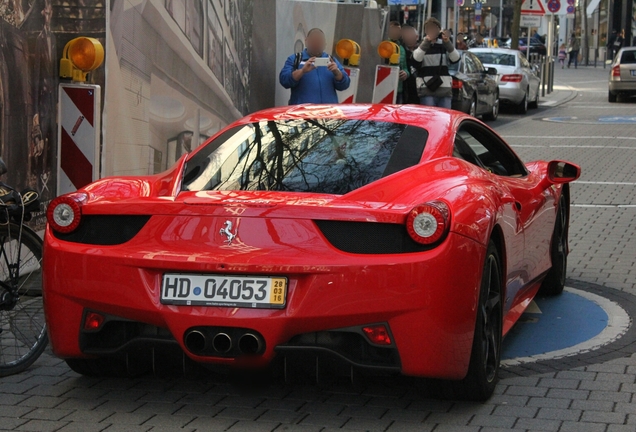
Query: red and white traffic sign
{"type": "Point", "coordinates": [78, 136]}
{"type": "Point", "coordinates": [386, 84]}
{"type": "Point", "coordinates": [532, 7]}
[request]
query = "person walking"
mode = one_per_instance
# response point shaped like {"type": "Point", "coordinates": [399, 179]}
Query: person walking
{"type": "Point", "coordinates": [573, 51]}
{"type": "Point", "coordinates": [395, 36]}
{"type": "Point", "coordinates": [313, 75]}
{"type": "Point", "coordinates": [436, 52]}
{"type": "Point", "coordinates": [562, 55]}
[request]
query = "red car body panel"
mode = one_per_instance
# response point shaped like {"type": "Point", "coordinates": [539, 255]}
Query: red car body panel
{"type": "Point", "coordinates": [428, 299]}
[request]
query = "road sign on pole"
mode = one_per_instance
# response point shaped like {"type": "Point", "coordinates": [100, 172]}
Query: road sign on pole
{"type": "Point", "coordinates": [532, 7]}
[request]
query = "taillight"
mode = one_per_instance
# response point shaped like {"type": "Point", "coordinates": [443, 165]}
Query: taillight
{"type": "Point", "coordinates": [457, 84]}
{"type": "Point", "coordinates": [93, 321]}
{"type": "Point", "coordinates": [377, 334]}
{"type": "Point", "coordinates": [64, 212]}
{"type": "Point", "coordinates": [512, 78]}
{"type": "Point", "coordinates": [616, 71]}
{"type": "Point", "coordinates": [428, 223]}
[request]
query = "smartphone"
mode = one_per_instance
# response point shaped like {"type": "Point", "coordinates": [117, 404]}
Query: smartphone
{"type": "Point", "coordinates": [321, 61]}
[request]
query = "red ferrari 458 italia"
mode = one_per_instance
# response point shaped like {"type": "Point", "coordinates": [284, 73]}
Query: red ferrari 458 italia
{"type": "Point", "coordinates": [401, 239]}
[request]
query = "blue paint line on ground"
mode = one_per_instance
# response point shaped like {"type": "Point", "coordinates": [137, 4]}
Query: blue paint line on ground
{"type": "Point", "coordinates": [565, 321]}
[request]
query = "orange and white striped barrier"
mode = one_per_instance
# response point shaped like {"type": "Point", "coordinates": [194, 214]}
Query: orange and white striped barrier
{"type": "Point", "coordinates": [386, 84]}
{"type": "Point", "coordinates": [349, 95]}
{"type": "Point", "coordinates": [78, 152]}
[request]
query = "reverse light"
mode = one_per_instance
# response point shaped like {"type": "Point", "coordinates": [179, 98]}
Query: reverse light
{"type": "Point", "coordinates": [93, 321]}
{"type": "Point", "coordinates": [428, 223]}
{"type": "Point", "coordinates": [512, 78]}
{"type": "Point", "coordinates": [64, 213]}
{"type": "Point", "coordinates": [457, 84]}
{"type": "Point", "coordinates": [616, 71]}
{"type": "Point", "coordinates": [377, 334]}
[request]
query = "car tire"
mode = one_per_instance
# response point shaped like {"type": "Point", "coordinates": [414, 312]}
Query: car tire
{"type": "Point", "coordinates": [612, 97]}
{"type": "Point", "coordinates": [535, 103]}
{"type": "Point", "coordinates": [554, 281]}
{"type": "Point", "coordinates": [472, 111]}
{"type": "Point", "coordinates": [522, 108]}
{"type": "Point", "coordinates": [483, 369]}
{"type": "Point", "coordinates": [99, 367]}
{"type": "Point", "coordinates": [494, 113]}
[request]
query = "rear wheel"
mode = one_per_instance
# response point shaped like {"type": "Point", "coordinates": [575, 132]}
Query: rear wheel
{"type": "Point", "coordinates": [494, 111]}
{"type": "Point", "coordinates": [473, 107]}
{"type": "Point", "coordinates": [611, 97]}
{"type": "Point", "coordinates": [483, 370]}
{"type": "Point", "coordinates": [522, 108]}
{"type": "Point", "coordinates": [535, 103]}
{"type": "Point", "coordinates": [554, 282]}
{"type": "Point", "coordinates": [23, 335]}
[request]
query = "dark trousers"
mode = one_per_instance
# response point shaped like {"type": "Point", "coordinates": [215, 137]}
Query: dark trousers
{"type": "Point", "coordinates": [574, 55]}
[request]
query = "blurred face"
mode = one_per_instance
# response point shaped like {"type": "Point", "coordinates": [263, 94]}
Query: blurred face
{"type": "Point", "coordinates": [409, 36]}
{"type": "Point", "coordinates": [315, 43]}
{"type": "Point", "coordinates": [395, 32]}
{"type": "Point", "coordinates": [432, 31]}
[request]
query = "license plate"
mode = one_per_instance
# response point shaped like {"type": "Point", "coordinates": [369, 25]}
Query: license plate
{"type": "Point", "coordinates": [222, 290]}
{"type": "Point", "coordinates": [633, 72]}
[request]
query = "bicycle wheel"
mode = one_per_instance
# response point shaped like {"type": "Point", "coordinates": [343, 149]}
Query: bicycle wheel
{"type": "Point", "coordinates": [23, 335]}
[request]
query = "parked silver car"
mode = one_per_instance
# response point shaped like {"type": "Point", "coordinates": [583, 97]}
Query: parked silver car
{"type": "Point", "coordinates": [622, 79]}
{"type": "Point", "coordinates": [518, 81]}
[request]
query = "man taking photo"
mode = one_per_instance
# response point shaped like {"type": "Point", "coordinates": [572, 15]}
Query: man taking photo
{"type": "Point", "coordinates": [313, 75]}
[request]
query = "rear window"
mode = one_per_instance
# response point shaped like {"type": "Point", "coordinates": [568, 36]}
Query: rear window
{"type": "Point", "coordinates": [496, 58]}
{"type": "Point", "coordinates": [333, 156]}
{"type": "Point", "coordinates": [628, 57]}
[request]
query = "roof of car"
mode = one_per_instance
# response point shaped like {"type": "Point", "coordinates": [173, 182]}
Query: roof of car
{"type": "Point", "coordinates": [500, 50]}
{"type": "Point", "coordinates": [416, 115]}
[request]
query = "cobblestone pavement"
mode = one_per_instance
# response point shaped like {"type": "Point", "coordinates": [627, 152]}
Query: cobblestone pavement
{"type": "Point", "coordinates": [595, 397]}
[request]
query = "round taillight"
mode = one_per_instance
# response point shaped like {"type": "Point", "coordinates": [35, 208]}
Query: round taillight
{"type": "Point", "coordinates": [428, 223]}
{"type": "Point", "coordinates": [64, 214]}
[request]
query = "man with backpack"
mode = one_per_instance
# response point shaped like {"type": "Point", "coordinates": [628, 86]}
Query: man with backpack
{"type": "Point", "coordinates": [313, 75]}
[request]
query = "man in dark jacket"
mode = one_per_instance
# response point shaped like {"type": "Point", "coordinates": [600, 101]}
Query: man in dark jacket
{"type": "Point", "coordinates": [410, 40]}
{"type": "Point", "coordinates": [310, 81]}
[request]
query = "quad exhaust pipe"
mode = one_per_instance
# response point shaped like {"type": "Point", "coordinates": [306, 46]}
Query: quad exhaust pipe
{"type": "Point", "coordinates": [210, 341]}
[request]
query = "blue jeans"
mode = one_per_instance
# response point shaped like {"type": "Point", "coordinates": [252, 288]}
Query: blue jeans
{"type": "Point", "coordinates": [434, 101]}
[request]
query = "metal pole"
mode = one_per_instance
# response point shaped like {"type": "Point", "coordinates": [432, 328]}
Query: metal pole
{"type": "Point", "coordinates": [429, 8]}
{"type": "Point", "coordinates": [500, 18]}
{"type": "Point", "coordinates": [419, 15]}
{"type": "Point", "coordinates": [456, 19]}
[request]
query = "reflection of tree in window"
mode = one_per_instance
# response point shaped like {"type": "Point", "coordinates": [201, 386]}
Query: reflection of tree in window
{"type": "Point", "coordinates": [323, 156]}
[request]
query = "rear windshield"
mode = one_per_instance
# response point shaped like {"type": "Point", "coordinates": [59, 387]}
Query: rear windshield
{"type": "Point", "coordinates": [496, 58]}
{"type": "Point", "coordinates": [628, 57]}
{"type": "Point", "coordinates": [333, 156]}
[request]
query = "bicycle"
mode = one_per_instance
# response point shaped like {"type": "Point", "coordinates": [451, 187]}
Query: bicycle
{"type": "Point", "coordinates": [23, 335]}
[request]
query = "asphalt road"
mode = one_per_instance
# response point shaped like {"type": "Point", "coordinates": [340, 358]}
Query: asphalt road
{"type": "Point", "coordinates": [593, 392]}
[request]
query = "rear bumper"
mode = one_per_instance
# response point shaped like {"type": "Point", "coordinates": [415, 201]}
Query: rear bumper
{"type": "Point", "coordinates": [426, 299]}
{"type": "Point", "coordinates": [622, 87]}
{"type": "Point", "coordinates": [511, 93]}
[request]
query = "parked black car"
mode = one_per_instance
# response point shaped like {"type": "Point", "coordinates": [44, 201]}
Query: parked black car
{"type": "Point", "coordinates": [475, 89]}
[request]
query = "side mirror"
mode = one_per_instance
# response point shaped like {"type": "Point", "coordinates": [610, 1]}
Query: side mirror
{"type": "Point", "coordinates": [563, 172]}
{"type": "Point", "coordinates": [491, 71]}
{"type": "Point", "coordinates": [3, 167]}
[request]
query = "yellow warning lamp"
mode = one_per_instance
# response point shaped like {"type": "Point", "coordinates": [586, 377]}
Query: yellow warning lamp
{"type": "Point", "coordinates": [81, 56]}
{"type": "Point", "coordinates": [348, 51]}
{"type": "Point", "coordinates": [389, 51]}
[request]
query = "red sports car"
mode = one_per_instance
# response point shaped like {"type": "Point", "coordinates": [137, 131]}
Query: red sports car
{"type": "Point", "coordinates": [392, 238]}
